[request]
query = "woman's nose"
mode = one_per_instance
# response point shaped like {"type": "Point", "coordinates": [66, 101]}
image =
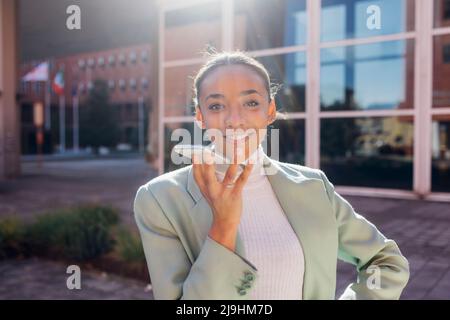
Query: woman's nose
{"type": "Point", "coordinates": [234, 120]}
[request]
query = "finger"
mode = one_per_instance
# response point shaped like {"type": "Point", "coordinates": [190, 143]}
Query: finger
{"type": "Point", "coordinates": [196, 159]}
{"type": "Point", "coordinates": [209, 171]}
{"type": "Point", "coordinates": [243, 177]}
{"type": "Point", "coordinates": [230, 174]}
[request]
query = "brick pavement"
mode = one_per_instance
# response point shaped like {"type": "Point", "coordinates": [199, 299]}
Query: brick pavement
{"type": "Point", "coordinates": [42, 280]}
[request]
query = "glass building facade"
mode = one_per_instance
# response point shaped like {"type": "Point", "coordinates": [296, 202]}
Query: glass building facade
{"type": "Point", "coordinates": [365, 84]}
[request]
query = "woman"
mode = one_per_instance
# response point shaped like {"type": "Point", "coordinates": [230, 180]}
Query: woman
{"type": "Point", "coordinates": [271, 230]}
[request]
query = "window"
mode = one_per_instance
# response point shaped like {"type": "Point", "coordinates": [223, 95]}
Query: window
{"type": "Point", "coordinates": [122, 85]}
{"type": "Point", "coordinates": [374, 152]}
{"type": "Point", "coordinates": [289, 70]}
{"type": "Point", "coordinates": [368, 77]}
{"type": "Point", "coordinates": [188, 30]}
{"type": "Point", "coordinates": [122, 59]}
{"type": "Point", "coordinates": [447, 10]}
{"type": "Point", "coordinates": [81, 88]}
{"type": "Point", "coordinates": [283, 24]}
{"type": "Point", "coordinates": [91, 63]}
{"type": "Point", "coordinates": [186, 127]}
{"type": "Point", "coordinates": [441, 153]}
{"type": "Point", "coordinates": [132, 57]}
{"type": "Point", "coordinates": [291, 141]}
{"type": "Point", "coordinates": [446, 53]}
{"type": "Point", "coordinates": [133, 83]}
{"type": "Point", "coordinates": [441, 13]}
{"type": "Point", "coordinates": [178, 90]}
{"type": "Point", "coordinates": [81, 64]}
{"type": "Point", "coordinates": [112, 60]}
{"type": "Point", "coordinates": [90, 85]}
{"type": "Point", "coordinates": [345, 19]}
{"type": "Point", "coordinates": [111, 85]}
{"type": "Point", "coordinates": [144, 56]}
{"type": "Point", "coordinates": [144, 83]}
{"type": "Point", "coordinates": [101, 62]}
{"type": "Point", "coordinates": [441, 71]}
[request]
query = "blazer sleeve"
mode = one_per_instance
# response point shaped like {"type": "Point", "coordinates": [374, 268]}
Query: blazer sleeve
{"type": "Point", "coordinates": [217, 273]}
{"type": "Point", "coordinates": [383, 271]}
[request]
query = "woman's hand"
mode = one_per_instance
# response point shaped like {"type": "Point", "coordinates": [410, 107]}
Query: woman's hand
{"type": "Point", "coordinates": [224, 198]}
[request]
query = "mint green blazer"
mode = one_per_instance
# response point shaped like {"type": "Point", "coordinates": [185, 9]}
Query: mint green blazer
{"type": "Point", "coordinates": [174, 219]}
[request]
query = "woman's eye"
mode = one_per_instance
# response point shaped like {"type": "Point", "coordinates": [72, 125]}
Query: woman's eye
{"type": "Point", "coordinates": [215, 107]}
{"type": "Point", "coordinates": [252, 103]}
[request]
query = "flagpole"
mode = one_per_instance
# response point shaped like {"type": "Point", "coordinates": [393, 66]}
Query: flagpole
{"type": "Point", "coordinates": [75, 101]}
{"type": "Point", "coordinates": [47, 107]}
{"type": "Point", "coordinates": [47, 99]}
{"type": "Point", "coordinates": [62, 123]}
{"type": "Point", "coordinates": [141, 123]}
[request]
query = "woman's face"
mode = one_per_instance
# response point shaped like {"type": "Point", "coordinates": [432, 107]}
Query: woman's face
{"type": "Point", "coordinates": [234, 101]}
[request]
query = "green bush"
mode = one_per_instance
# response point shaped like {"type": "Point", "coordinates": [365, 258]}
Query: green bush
{"type": "Point", "coordinates": [129, 246]}
{"type": "Point", "coordinates": [11, 237]}
{"type": "Point", "coordinates": [79, 233]}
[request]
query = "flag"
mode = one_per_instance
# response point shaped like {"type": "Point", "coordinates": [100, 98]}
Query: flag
{"type": "Point", "coordinates": [38, 73]}
{"type": "Point", "coordinates": [58, 83]}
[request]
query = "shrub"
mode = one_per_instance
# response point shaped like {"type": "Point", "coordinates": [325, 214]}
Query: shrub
{"type": "Point", "coordinates": [79, 233]}
{"type": "Point", "coordinates": [129, 246]}
{"type": "Point", "coordinates": [11, 237]}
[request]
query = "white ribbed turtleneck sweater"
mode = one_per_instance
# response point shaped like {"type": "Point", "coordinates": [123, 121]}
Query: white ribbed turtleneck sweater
{"type": "Point", "coordinates": [270, 242]}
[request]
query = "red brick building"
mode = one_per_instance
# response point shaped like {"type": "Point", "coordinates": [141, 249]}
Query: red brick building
{"type": "Point", "coordinates": [128, 73]}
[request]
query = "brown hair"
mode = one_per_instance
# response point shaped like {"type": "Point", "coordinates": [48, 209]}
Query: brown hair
{"type": "Point", "coordinates": [226, 58]}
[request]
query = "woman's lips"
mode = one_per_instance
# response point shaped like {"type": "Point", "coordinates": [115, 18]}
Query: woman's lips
{"type": "Point", "coordinates": [238, 138]}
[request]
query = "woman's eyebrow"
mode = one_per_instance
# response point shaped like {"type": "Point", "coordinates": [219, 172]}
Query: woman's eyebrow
{"type": "Point", "coordinates": [221, 96]}
{"type": "Point", "coordinates": [250, 91]}
{"type": "Point", "coordinates": [215, 95]}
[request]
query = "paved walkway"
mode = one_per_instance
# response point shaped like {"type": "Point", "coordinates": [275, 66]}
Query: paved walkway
{"type": "Point", "coordinates": [64, 183]}
{"type": "Point", "coordinates": [40, 279]}
{"type": "Point", "coordinates": [421, 228]}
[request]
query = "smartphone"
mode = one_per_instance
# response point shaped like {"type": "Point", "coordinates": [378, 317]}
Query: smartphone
{"type": "Point", "coordinates": [188, 150]}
